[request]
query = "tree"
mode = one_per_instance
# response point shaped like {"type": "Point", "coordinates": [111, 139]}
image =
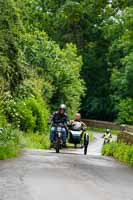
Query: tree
{"type": "Point", "coordinates": [121, 61]}
{"type": "Point", "coordinates": [11, 59]}
{"type": "Point", "coordinates": [59, 68]}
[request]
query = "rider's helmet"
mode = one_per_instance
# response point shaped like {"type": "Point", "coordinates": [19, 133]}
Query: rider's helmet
{"type": "Point", "coordinates": [62, 107]}
{"type": "Point", "coordinates": [107, 130]}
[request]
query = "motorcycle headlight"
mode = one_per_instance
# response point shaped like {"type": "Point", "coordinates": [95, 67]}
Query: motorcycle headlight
{"type": "Point", "coordinates": [59, 134]}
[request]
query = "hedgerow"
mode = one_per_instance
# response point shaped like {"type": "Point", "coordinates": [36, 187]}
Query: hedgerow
{"type": "Point", "coordinates": [120, 151]}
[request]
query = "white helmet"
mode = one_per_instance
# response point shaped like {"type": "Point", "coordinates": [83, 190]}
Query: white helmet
{"type": "Point", "coordinates": [107, 130]}
{"type": "Point", "coordinates": [62, 106]}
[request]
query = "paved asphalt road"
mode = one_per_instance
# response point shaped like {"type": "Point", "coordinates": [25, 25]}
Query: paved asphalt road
{"type": "Point", "coordinates": [45, 175]}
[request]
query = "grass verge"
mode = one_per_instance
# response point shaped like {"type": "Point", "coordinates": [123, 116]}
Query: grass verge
{"type": "Point", "coordinates": [35, 141]}
{"type": "Point", "coordinates": [12, 141]}
{"type": "Point", "coordinates": [9, 151]}
{"type": "Point", "coordinates": [91, 136]}
{"type": "Point", "coordinates": [120, 151]}
{"type": "Point", "coordinates": [9, 143]}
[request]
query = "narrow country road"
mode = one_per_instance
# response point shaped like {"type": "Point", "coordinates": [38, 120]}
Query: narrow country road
{"type": "Point", "coordinates": [45, 175]}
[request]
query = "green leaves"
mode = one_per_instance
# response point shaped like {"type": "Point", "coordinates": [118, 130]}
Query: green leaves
{"type": "Point", "coordinates": [59, 68]}
{"type": "Point", "coordinates": [120, 151]}
{"type": "Point", "coordinates": [29, 114]}
{"type": "Point", "coordinates": [9, 143]}
{"type": "Point", "coordinates": [125, 108]}
{"type": "Point", "coordinates": [10, 52]}
{"type": "Point", "coordinates": [54, 49]}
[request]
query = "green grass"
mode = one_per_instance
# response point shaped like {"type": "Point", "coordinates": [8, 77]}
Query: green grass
{"type": "Point", "coordinates": [9, 143]}
{"type": "Point", "coordinates": [102, 130]}
{"type": "Point", "coordinates": [9, 151]}
{"type": "Point", "coordinates": [40, 141]}
{"type": "Point", "coordinates": [12, 141]}
{"type": "Point", "coordinates": [91, 136]}
{"type": "Point", "coordinates": [35, 141]}
{"type": "Point", "coordinates": [120, 151]}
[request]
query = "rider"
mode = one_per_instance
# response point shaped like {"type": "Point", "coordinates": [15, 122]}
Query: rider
{"type": "Point", "coordinates": [59, 117]}
{"type": "Point", "coordinates": [83, 127]}
{"type": "Point", "coordinates": [107, 134]}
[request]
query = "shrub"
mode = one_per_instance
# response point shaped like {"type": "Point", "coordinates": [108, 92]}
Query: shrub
{"type": "Point", "coordinates": [40, 112]}
{"type": "Point", "coordinates": [125, 109]}
{"type": "Point", "coordinates": [30, 114]}
{"type": "Point", "coordinates": [2, 116]}
{"type": "Point", "coordinates": [9, 151]}
{"type": "Point", "coordinates": [9, 135]}
{"type": "Point", "coordinates": [2, 120]}
{"type": "Point", "coordinates": [9, 143]}
{"type": "Point", "coordinates": [120, 151]}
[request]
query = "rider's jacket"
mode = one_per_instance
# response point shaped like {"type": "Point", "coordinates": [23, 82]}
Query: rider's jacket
{"type": "Point", "coordinates": [107, 135]}
{"type": "Point", "coordinates": [57, 118]}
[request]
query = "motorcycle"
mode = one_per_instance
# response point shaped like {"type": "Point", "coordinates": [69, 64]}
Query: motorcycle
{"type": "Point", "coordinates": [58, 138]}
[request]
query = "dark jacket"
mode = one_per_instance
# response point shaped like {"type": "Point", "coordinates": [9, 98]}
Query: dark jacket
{"type": "Point", "coordinates": [57, 118]}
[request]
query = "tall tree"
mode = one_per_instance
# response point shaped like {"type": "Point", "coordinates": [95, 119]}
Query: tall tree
{"type": "Point", "coordinates": [11, 59]}
{"type": "Point", "coordinates": [80, 22]}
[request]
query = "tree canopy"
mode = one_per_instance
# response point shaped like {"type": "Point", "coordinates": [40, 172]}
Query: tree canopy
{"type": "Point", "coordinates": [78, 52]}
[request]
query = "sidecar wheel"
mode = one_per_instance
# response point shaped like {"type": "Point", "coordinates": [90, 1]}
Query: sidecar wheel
{"type": "Point", "coordinates": [85, 149]}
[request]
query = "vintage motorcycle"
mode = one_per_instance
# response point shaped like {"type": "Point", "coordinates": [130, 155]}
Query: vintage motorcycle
{"type": "Point", "coordinates": [75, 136]}
{"type": "Point", "coordinates": [58, 138]}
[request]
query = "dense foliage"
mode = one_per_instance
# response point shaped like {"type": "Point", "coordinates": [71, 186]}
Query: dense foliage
{"type": "Point", "coordinates": [120, 151]}
{"type": "Point", "coordinates": [77, 52]}
{"type": "Point", "coordinates": [102, 32]}
{"type": "Point", "coordinates": [36, 74]}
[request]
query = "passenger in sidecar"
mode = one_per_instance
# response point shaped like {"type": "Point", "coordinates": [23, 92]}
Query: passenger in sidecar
{"type": "Point", "coordinates": [77, 128]}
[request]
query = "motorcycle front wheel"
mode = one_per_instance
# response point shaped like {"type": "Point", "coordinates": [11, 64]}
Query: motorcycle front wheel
{"type": "Point", "coordinates": [57, 146]}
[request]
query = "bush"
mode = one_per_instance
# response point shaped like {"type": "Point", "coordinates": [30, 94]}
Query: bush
{"type": "Point", "coordinates": [125, 109]}
{"type": "Point", "coordinates": [30, 114]}
{"type": "Point", "coordinates": [2, 116]}
{"type": "Point", "coordinates": [9, 151]}
{"type": "Point", "coordinates": [9, 143]}
{"type": "Point", "coordinates": [2, 120]}
{"type": "Point", "coordinates": [120, 151]}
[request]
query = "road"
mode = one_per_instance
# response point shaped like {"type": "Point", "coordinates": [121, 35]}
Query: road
{"type": "Point", "coordinates": [45, 175]}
